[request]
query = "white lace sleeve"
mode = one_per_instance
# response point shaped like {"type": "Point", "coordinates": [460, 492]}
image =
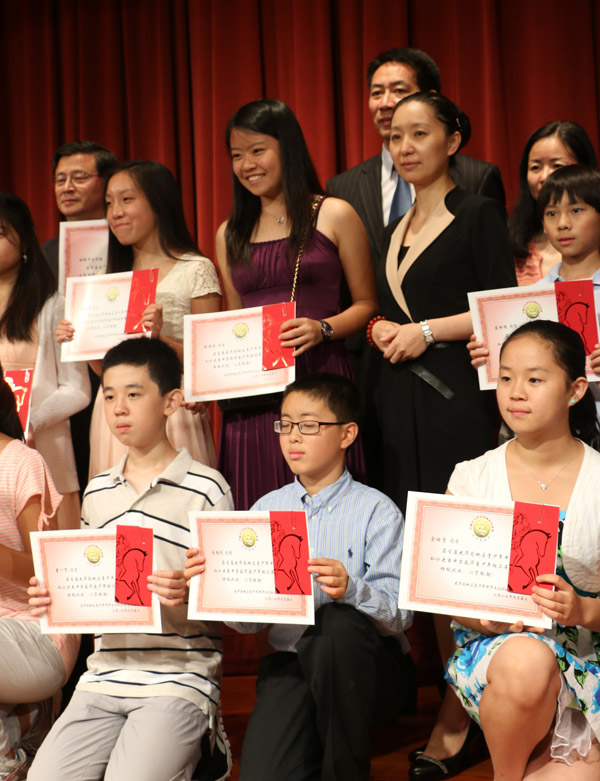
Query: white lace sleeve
{"type": "Point", "coordinates": [206, 279]}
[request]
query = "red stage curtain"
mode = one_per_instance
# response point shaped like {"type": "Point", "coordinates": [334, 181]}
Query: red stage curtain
{"type": "Point", "coordinates": [159, 79]}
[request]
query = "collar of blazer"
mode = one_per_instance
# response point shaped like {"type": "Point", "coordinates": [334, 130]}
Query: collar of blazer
{"type": "Point", "coordinates": [437, 222]}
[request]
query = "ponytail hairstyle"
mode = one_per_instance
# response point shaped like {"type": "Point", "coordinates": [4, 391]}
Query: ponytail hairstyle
{"type": "Point", "coordinates": [445, 111]}
{"type": "Point", "coordinates": [569, 353]}
{"type": "Point", "coordinates": [299, 180]}
{"type": "Point", "coordinates": [10, 423]}
{"type": "Point", "coordinates": [35, 282]}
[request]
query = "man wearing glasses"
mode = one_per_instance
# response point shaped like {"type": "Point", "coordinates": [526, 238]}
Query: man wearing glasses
{"type": "Point", "coordinates": [79, 170]}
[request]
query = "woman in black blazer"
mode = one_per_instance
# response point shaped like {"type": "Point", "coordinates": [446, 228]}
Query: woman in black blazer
{"type": "Point", "coordinates": [432, 413]}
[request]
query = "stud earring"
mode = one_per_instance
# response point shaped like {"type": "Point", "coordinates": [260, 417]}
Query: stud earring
{"type": "Point", "coordinates": [24, 257]}
{"type": "Point", "coordinates": [573, 401]}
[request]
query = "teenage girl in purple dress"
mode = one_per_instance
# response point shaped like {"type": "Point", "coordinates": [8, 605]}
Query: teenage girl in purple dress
{"type": "Point", "coordinates": [277, 208]}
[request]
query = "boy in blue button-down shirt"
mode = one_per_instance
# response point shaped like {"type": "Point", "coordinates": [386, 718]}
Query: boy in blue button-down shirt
{"type": "Point", "coordinates": [317, 694]}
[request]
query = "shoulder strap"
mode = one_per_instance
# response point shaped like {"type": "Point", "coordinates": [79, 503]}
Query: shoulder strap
{"type": "Point", "coordinates": [316, 205]}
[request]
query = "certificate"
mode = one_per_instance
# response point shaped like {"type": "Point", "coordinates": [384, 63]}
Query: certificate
{"type": "Point", "coordinates": [97, 307]}
{"type": "Point", "coordinates": [79, 570]}
{"type": "Point", "coordinates": [456, 560]}
{"type": "Point", "coordinates": [239, 581]}
{"type": "Point", "coordinates": [497, 313]}
{"type": "Point", "coordinates": [82, 250]}
{"type": "Point", "coordinates": [223, 356]}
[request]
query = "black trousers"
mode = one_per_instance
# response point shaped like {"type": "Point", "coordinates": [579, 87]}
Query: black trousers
{"type": "Point", "coordinates": [315, 709]}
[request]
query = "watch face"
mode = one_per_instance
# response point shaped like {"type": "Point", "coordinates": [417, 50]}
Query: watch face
{"type": "Point", "coordinates": [326, 329]}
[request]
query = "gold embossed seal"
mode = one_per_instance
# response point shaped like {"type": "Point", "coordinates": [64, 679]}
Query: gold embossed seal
{"type": "Point", "coordinates": [532, 310]}
{"type": "Point", "coordinates": [249, 538]}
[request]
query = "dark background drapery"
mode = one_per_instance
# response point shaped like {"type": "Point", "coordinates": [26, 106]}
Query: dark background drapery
{"type": "Point", "coordinates": [158, 79]}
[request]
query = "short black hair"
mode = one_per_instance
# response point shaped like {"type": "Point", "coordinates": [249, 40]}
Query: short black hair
{"type": "Point", "coordinates": [426, 71]}
{"type": "Point", "coordinates": [339, 393]}
{"type": "Point", "coordinates": [579, 182]}
{"type": "Point", "coordinates": [105, 159]}
{"type": "Point", "coordinates": [161, 360]}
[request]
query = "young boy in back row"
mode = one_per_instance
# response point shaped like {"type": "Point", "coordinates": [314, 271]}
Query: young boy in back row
{"type": "Point", "coordinates": [146, 700]}
{"type": "Point", "coordinates": [317, 695]}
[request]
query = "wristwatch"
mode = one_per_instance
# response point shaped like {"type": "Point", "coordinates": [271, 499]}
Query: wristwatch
{"type": "Point", "coordinates": [427, 335]}
{"type": "Point", "coordinates": [326, 330]}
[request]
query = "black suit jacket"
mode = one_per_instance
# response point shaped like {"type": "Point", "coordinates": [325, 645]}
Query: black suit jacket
{"type": "Point", "coordinates": [50, 250]}
{"type": "Point", "coordinates": [361, 187]}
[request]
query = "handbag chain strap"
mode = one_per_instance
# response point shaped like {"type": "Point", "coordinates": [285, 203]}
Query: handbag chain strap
{"type": "Point", "coordinates": [315, 206]}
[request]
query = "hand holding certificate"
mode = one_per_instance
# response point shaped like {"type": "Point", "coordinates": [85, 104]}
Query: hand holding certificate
{"type": "Point", "coordinates": [457, 558]}
{"type": "Point", "coordinates": [497, 313]}
{"type": "Point", "coordinates": [238, 353]}
{"type": "Point", "coordinates": [85, 573]}
{"type": "Point", "coordinates": [103, 309]}
{"type": "Point", "coordinates": [255, 568]}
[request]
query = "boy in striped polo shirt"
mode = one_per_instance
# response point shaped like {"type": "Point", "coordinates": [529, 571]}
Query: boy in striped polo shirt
{"type": "Point", "coordinates": [146, 700]}
{"type": "Point", "coordinates": [318, 693]}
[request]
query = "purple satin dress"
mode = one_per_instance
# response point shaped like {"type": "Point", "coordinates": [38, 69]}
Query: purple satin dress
{"type": "Point", "coordinates": [249, 454]}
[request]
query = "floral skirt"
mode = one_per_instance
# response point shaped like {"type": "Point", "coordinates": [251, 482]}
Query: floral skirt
{"type": "Point", "coordinates": [577, 721]}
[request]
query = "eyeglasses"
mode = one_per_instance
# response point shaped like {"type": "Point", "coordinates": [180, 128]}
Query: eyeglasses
{"type": "Point", "coordinates": [77, 177]}
{"type": "Point", "coordinates": [308, 427]}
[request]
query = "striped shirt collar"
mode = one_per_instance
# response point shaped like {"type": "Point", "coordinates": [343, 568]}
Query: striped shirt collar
{"type": "Point", "coordinates": [328, 496]}
{"type": "Point", "coordinates": [174, 473]}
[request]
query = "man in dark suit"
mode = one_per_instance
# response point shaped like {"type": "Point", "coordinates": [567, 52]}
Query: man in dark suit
{"type": "Point", "coordinates": [371, 185]}
{"type": "Point", "coordinates": [79, 170]}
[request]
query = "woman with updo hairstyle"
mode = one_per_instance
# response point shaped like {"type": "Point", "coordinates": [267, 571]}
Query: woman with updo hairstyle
{"type": "Point", "coordinates": [450, 243]}
{"type": "Point", "coordinates": [550, 147]}
{"type": "Point", "coordinates": [432, 413]}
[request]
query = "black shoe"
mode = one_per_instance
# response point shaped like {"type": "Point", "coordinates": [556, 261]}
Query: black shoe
{"type": "Point", "coordinates": [473, 750]}
{"type": "Point", "coordinates": [216, 762]}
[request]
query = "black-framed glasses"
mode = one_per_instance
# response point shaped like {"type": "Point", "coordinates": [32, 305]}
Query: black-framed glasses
{"type": "Point", "coordinates": [308, 427]}
{"type": "Point", "coordinates": [77, 177]}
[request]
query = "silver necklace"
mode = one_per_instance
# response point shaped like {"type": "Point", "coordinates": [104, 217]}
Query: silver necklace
{"type": "Point", "coordinates": [278, 220]}
{"type": "Point", "coordinates": [545, 485]}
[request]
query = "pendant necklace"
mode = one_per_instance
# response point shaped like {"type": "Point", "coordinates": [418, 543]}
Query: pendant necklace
{"type": "Point", "coordinates": [278, 220]}
{"type": "Point", "coordinates": [545, 485]}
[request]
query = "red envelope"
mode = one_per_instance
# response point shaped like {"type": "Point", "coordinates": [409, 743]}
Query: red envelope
{"type": "Point", "coordinates": [133, 565]}
{"type": "Point", "coordinates": [141, 295]}
{"type": "Point", "coordinates": [289, 536]}
{"type": "Point", "coordinates": [533, 546]}
{"type": "Point", "coordinates": [577, 309]}
{"type": "Point", "coordinates": [274, 355]}
{"type": "Point", "coordinates": [20, 381]}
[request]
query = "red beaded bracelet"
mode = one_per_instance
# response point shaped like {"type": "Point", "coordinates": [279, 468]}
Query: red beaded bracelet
{"type": "Point", "coordinates": [372, 322]}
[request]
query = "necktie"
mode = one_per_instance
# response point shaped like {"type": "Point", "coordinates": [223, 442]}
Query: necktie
{"type": "Point", "coordinates": [402, 200]}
